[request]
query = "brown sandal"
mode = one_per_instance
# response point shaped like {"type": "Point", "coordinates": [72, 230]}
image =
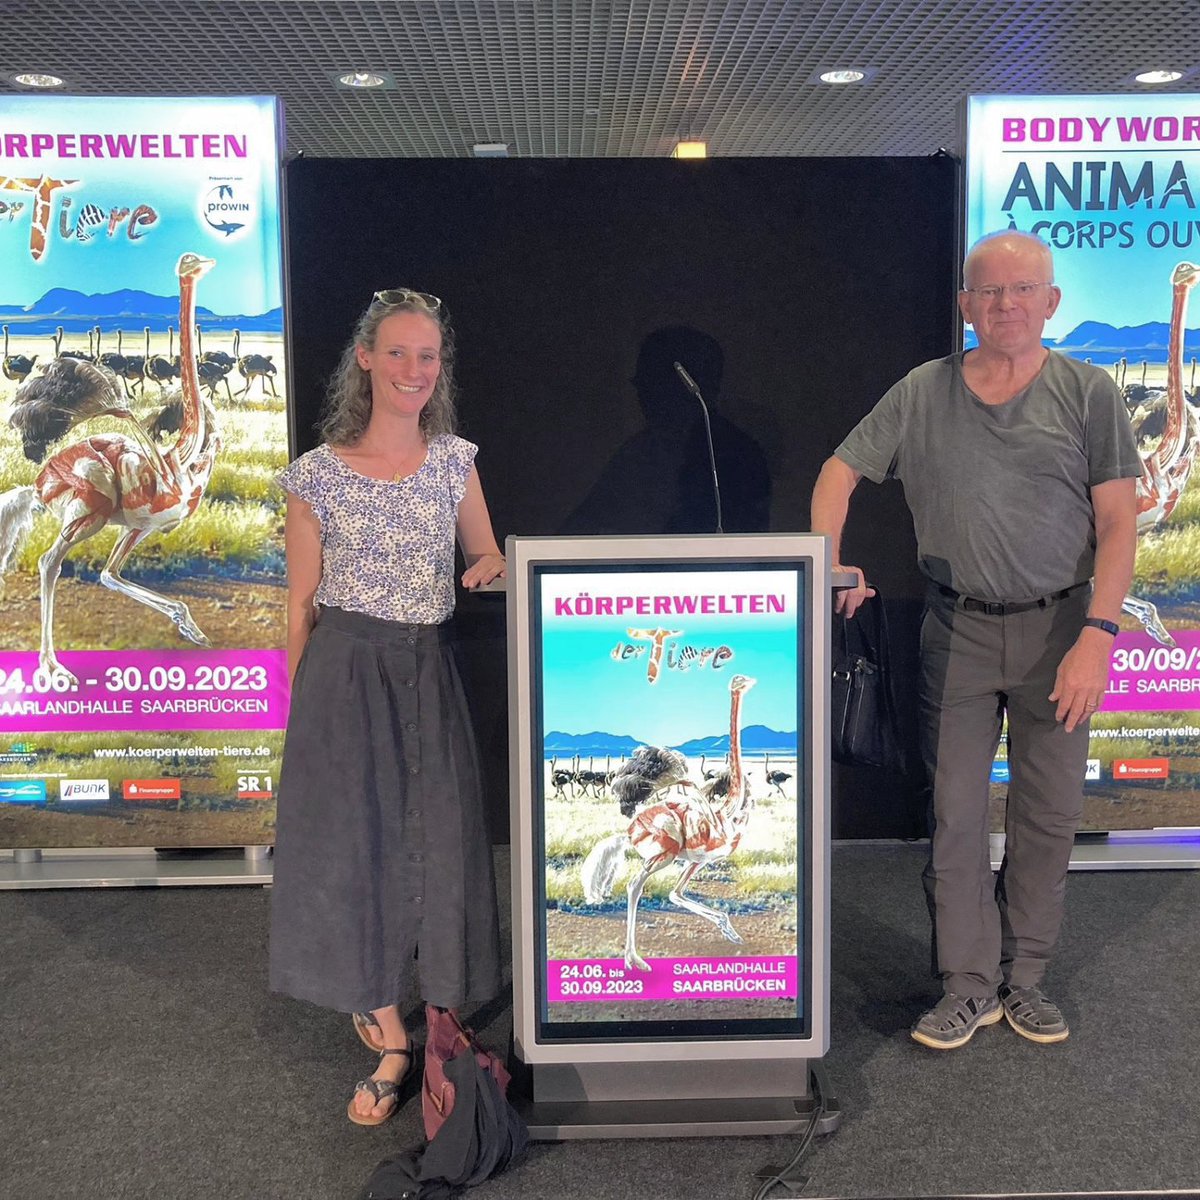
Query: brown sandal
{"type": "Point", "coordinates": [381, 1089]}
{"type": "Point", "coordinates": [364, 1022]}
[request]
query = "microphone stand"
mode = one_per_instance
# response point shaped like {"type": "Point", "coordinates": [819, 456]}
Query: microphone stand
{"type": "Point", "coordinates": [693, 387]}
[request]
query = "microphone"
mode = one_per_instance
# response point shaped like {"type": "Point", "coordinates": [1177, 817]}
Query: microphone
{"type": "Point", "coordinates": [688, 382]}
{"type": "Point", "coordinates": [693, 387]}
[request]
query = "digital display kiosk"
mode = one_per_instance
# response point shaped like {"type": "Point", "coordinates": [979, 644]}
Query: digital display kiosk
{"type": "Point", "coordinates": [668, 719]}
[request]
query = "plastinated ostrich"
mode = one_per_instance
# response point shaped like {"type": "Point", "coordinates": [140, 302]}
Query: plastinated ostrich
{"type": "Point", "coordinates": [121, 480]}
{"type": "Point", "coordinates": [702, 827]}
{"type": "Point", "coordinates": [70, 390]}
{"type": "Point", "coordinates": [1167, 468]}
{"type": "Point", "coordinates": [652, 769]}
{"type": "Point", "coordinates": [16, 367]}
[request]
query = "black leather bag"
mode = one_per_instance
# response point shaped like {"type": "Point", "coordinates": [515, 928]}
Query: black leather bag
{"type": "Point", "coordinates": [862, 706]}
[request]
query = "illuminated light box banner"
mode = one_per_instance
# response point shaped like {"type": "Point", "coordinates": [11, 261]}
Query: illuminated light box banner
{"type": "Point", "coordinates": [1112, 183]}
{"type": "Point", "coordinates": [143, 684]}
{"type": "Point", "coordinates": [669, 704]}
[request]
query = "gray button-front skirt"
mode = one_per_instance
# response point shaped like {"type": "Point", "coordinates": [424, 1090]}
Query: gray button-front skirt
{"type": "Point", "coordinates": [382, 852]}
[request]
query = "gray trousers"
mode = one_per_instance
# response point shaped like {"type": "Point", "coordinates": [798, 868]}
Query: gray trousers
{"type": "Point", "coordinates": [975, 669]}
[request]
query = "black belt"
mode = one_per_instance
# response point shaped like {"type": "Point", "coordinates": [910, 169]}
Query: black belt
{"type": "Point", "coordinates": [1006, 608]}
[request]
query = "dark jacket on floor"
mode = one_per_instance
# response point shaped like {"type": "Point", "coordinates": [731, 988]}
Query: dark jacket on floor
{"type": "Point", "coordinates": [482, 1136]}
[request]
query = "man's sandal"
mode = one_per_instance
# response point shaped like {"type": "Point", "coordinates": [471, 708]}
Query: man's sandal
{"type": "Point", "coordinates": [380, 1089]}
{"type": "Point", "coordinates": [368, 1031]}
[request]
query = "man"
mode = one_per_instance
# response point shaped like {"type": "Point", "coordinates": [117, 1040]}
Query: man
{"type": "Point", "coordinates": [1019, 466]}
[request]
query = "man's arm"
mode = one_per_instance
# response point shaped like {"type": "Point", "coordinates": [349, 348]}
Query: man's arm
{"type": "Point", "coordinates": [830, 505]}
{"type": "Point", "coordinates": [1082, 677]}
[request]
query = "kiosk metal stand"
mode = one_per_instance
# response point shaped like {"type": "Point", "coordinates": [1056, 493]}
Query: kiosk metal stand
{"type": "Point", "coordinates": [639, 1100]}
{"type": "Point", "coordinates": [617, 1047]}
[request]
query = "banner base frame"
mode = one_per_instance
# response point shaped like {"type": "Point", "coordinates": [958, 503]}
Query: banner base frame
{"type": "Point", "coordinates": [133, 866]}
{"type": "Point", "coordinates": [1127, 850]}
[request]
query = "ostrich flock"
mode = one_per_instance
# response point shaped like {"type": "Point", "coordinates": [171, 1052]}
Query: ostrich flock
{"type": "Point", "coordinates": [133, 371]}
{"type": "Point", "coordinates": [126, 479]}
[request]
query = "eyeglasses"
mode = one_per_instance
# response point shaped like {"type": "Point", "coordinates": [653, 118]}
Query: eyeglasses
{"type": "Point", "coordinates": [404, 296]}
{"type": "Point", "coordinates": [1018, 291]}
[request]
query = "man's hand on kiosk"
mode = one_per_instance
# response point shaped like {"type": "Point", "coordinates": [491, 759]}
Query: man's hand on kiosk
{"type": "Point", "coordinates": [849, 600]}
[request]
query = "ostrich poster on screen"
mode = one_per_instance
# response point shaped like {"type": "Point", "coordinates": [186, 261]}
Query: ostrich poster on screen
{"type": "Point", "coordinates": [669, 716]}
{"type": "Point", "coordinates": [142, 681]}
{"type": "Point", "coordinates": [1112, 183]}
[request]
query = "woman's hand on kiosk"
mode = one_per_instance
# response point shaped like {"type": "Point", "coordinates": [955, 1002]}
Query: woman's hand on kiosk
{"type": "Point", "coordinates": [484, 569]}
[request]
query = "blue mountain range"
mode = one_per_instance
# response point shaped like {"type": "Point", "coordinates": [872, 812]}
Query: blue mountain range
{"type": "Point", "coordinates": [1104, 344]}
{"type": "Point", "coordinates": [756, 739]}
{"type": "Point", "coordinates": [126, 309]}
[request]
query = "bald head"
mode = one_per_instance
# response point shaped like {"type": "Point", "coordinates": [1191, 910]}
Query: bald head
{"type": "Point", "coordinates": [1004, 245]}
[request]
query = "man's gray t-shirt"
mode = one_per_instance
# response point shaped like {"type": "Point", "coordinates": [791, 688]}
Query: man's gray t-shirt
{"type": "Point", "coordinates": [999, 492]}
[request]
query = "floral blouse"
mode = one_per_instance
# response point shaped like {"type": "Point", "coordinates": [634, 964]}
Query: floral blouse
{"type": "Point", "coordinates": [387, 549]}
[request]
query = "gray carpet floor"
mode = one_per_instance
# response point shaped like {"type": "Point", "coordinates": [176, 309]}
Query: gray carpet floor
{"type": "Point", "coordinates": [141, 1056]}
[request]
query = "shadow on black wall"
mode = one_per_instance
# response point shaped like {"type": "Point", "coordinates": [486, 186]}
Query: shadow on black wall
{"type": "Point", "coordinates": [660, 480]}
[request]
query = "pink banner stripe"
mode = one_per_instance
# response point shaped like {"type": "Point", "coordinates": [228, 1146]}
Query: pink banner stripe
{"type": "Point", "coordinates": [151, 690]}
{"type": "Point", "coordinates": [609, 979]}
{"type": "Point", "coordinates": [1146, 676]}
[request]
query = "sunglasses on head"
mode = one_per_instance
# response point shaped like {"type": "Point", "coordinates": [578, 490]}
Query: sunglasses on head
{"type": "Point", "coordinates": [404, 296]}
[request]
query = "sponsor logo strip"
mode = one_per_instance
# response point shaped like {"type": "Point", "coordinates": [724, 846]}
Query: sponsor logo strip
{"type": "Point", "coordinates": [22, 791]}
{"type": "Point", "coordinates": [146, 790]}
{"type": "Point", "coordinates": [82, 791]}
{"type": "Point", "coordinates": [1141, 768]}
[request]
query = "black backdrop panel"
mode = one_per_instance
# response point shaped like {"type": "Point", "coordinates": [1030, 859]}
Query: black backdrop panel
{"type": "Point", "coordinates": [794, 290]}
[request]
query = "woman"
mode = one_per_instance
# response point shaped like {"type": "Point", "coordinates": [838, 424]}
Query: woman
{"type": "Point", "coordinates": [382, 854]}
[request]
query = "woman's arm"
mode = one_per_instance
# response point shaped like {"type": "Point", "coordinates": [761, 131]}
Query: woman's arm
{"type": "Point", "coordinates": [302, 544]}
{"type": "Point", "coordinates": [475, 536]}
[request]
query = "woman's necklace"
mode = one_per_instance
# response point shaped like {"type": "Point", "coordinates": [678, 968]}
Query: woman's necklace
{"type": "Point", "coordinates": [409, 465]}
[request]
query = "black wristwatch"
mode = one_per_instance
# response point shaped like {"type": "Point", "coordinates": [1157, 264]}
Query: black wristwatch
{"type": "Point", "coordinates": [1100, 623]}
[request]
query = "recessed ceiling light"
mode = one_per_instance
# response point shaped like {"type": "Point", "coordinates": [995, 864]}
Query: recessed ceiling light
{"type": "Point", "coordinates": [1158, 76]}
{"type": "Point", "coordinates": [690, 149]}
{"type": "Point", "coordinates": [844, 75]}
{"type": "Point", "coordinates": [37, 79]}
{"type": "Point", "coordinates": [490, 149]}
{"type": "Point", "coordinates": [357, 81]}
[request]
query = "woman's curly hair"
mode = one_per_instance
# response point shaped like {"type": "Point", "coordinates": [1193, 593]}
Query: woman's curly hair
{"type": "Point", "coordinates": [348, 397]}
